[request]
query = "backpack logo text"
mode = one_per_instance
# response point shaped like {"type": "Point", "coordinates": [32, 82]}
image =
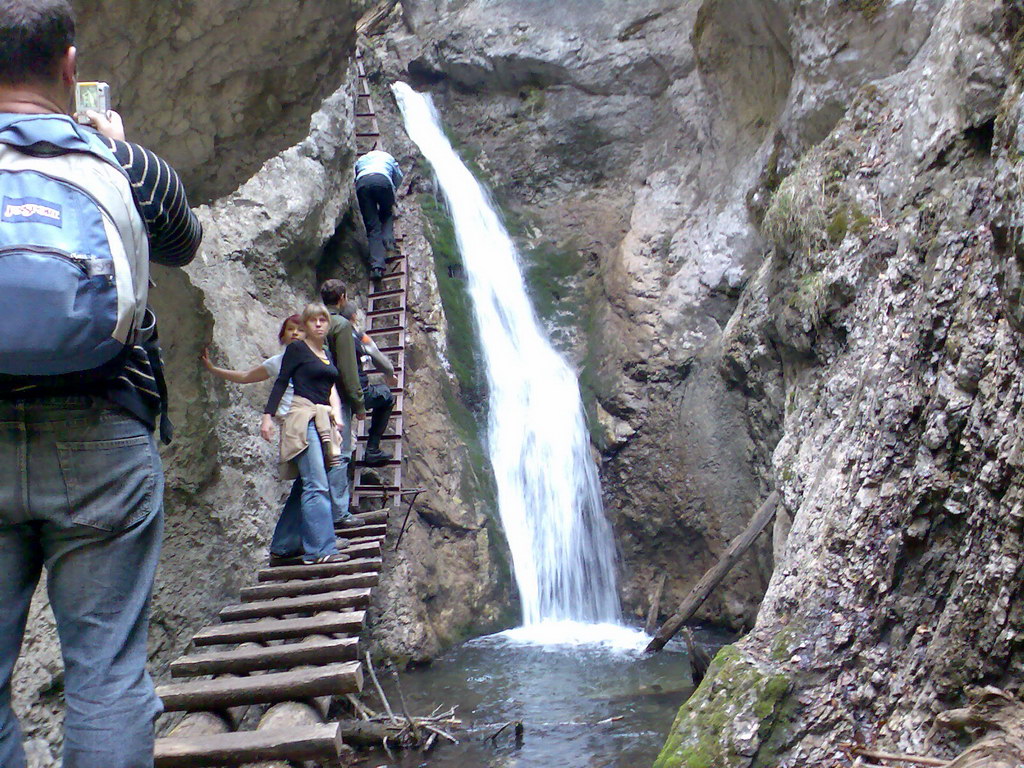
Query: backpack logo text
{"type": "Point", "coordinates": [31, 210]}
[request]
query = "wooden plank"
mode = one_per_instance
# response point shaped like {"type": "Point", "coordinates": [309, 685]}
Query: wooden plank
{"type": "Point", "coordinates": [319, 570]}
{"type": "Point", "coordinates": [714, 576]}
{"type": "Point", "coordinates": [312, 742]}
{"type": "Point", "coordinates": [361, 549]}
{"type": "Point", "coordinates": [362, 531]}
{"type": "Point", "coordinates": [308, 586]}
{"type": "Point", "coordinates": [283, 606]}
{"type": "Point", "coordinates": [224, 692]}
{"type": "Point", "coordinates": [237, 661]}
{"type": "Point", "coordinates": [280, 629]}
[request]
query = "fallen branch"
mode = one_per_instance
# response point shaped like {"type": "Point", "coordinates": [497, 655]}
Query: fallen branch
{"type": "Point", "coordinates": [913, 759]}
{"type": "Point", "coordinates": [713, 577]}
{"type": "Point", "coordinates": [405, 709]}
{"type": "Point", "coordinates": [380, 691]}
{"type": "Point", "coordinates": [435, 731]}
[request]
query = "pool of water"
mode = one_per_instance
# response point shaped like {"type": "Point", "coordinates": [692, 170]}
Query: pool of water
{"type": "Point", "coordinates": [586, 696]}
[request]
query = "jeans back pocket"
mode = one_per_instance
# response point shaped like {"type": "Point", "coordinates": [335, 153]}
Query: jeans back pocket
{"type": "Point", "coordinates": [110, 483]}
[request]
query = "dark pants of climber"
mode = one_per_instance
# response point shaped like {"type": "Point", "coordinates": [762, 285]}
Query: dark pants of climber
{"type": "Point", "coordinates": [380, 402]}
{"type": "Point", "coordinates": [376, 200]}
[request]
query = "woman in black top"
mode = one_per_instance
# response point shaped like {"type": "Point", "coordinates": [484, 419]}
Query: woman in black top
{"type": "Point", "coordinates": [307, 365]}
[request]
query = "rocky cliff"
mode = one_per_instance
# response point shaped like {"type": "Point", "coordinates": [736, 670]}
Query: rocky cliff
{"type": "Point", "coordinates": [781, 240]}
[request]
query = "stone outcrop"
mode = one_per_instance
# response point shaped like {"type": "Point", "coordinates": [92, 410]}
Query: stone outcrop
{"type": "Point", "coordinates": [218, 85]}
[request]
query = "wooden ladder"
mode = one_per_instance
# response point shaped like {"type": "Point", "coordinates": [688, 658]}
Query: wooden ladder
{"type": "Point", "coordinates": [291, 641]}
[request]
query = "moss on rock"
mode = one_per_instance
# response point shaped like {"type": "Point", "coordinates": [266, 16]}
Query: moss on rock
{"type": "Point", "coordinates": [734, 719]}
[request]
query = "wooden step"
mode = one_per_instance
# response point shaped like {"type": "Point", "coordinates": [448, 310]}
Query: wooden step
{"type": "Point", "coordinates": [382, 437]}
{"type": "Point", "coordinates": [376, 490]}
{"type": "Point", "coordinates": [362, 549]}
{"type": "Point", "coordinates": [225, 692]}
{"type": "Point", "coordinates": [319, 743]}
{"type": "Point", "coordinates": [297, 587]}
{"type": "Point", "coordinates": [242, 660]}
{"type": "Point", "coordinates": [319, 570]}
{"type": "Point", "coordinates": [285, 606]}
{"type": "Point", "coordinates": [281, 629]}
{"type": "Point", "coordinates": [376, 529]}
{"type": "Point", "coordinates": [385, 294]}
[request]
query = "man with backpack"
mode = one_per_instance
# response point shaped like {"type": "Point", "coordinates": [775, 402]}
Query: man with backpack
{"type": "Point", "coordinates": [81, 388]}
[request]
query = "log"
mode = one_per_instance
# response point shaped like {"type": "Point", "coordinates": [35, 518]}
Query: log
{"type": "Point", "coordinates": [714, 576]}
{"type": "Point", "coordinates": [305, 743]}
{"type": "Point", "coordinates": [875, 754]}
{"type": "Point", "coordinates": [319, 571]}
{"type": "Point", "coordinates": [361, 531]}
{"type": "Point", "coordinates": [373, 517]}
{"type": "Point", "coordinates": [329, 623]}
{"type": "Point", "coordinates": [241, 661]}
{"type": "Point", "coordinates": [287, 715]}
{"type": "Point", "coordinates": [366, 548]}
{"type": "Point", "coordinates": [221, 693]}
{"type": "Point", "coordinates": [200, 724]}
{"type": "Point", "coordinates": [297, 587]}
{"type": "Point", "coordinates": [284, 606]}
{"type": "Point", "coordinates": [652, 614]}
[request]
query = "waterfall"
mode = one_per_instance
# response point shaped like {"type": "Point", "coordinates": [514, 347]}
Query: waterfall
{"type": "Point", "coordinates": [549, 495]}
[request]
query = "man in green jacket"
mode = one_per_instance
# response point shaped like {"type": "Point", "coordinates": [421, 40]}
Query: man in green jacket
{"type": "Point", "coordinates": [343, 352]}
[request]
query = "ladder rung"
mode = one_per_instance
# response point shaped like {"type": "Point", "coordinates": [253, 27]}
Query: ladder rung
{"type": "Point", "coordinates": [295, 587]}
{"type": "Point", "coordinates": [318, 570]}
{"type": "Point", "coordinates": [381, 312]}
{"type": "Point", "coordinates": [224, 692]}
{"type": "Point", "coordinates": [389, 292]}
{"type": "Point", "coordinates": [385, 329]}
{"type": "Point", "coordinates": [320, 743]}
{"type": "Point", "coordinates": [241, 660]}
{"type": "Point", "coordinates": [283, 606]}
{"type": "Point", "coordinates": [280, 629]}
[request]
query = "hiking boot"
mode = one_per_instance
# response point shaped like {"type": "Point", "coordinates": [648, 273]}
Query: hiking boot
{"type": "Point", "coordinates": [349, 521]}
{"type": "Point", "coordinates": [377, 274]}
{"type": "Point", "coordinates": [375, 457]}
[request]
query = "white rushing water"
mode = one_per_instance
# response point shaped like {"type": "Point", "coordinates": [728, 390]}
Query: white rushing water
{"type": "Point", "coordinates": [549, 495]}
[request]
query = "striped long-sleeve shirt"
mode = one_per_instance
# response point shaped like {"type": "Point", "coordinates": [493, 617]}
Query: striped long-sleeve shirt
{"type": "Point", "coordinates": [174, 237]}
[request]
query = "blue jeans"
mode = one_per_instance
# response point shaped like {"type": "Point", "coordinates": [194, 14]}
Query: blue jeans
{"type": "Point", "coordinates": [306, 524]}
{"type": "Point", "coordinates": [81, 494]}
{"type": "Point", "coordinates": [287, 539]}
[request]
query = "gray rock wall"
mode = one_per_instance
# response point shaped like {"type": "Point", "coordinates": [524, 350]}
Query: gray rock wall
{"type": "Point", "coordinates": [798, 227]}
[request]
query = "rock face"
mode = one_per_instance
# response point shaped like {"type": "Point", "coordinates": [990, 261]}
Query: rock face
{"type": "Point", "coordinates": [796, 226]}
{"type": "Point", "coordinates": [220, 85]}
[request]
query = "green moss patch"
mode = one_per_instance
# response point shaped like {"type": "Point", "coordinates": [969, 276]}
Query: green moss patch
{"type": "Point", "coordinates": [742, 708]}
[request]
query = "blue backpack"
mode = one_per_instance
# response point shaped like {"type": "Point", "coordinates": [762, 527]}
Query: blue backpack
{"type": "Point", "coordinates": [74, 255]}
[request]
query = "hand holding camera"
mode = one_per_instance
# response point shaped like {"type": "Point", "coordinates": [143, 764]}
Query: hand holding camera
{"type": "Point", "coordinates": [92, 107]}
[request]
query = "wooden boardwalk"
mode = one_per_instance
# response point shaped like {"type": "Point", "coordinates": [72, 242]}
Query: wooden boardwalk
{"type": "Point", "coordinates": [292, 640]}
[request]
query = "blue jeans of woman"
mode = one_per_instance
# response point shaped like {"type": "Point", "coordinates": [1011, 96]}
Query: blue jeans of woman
{"type": "Point", "coordinates": [81, 494]}
{"type": "Point", "coordinates": [309, 525]}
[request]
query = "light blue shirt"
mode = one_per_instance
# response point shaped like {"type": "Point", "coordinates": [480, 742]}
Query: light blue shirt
{"type": "Point", "coordinates": [379, 161]}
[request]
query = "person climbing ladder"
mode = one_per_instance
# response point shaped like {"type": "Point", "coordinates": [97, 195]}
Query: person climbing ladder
{"type": "Point", "coordinates": [377, 180]}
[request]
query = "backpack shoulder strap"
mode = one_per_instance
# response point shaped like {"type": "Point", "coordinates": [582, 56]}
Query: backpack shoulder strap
{"type": "Point", "coordinates": [49, 135]}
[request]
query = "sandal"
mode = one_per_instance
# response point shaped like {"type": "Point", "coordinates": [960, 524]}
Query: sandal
{"type": "Point", "coordinates": [337, 557]}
